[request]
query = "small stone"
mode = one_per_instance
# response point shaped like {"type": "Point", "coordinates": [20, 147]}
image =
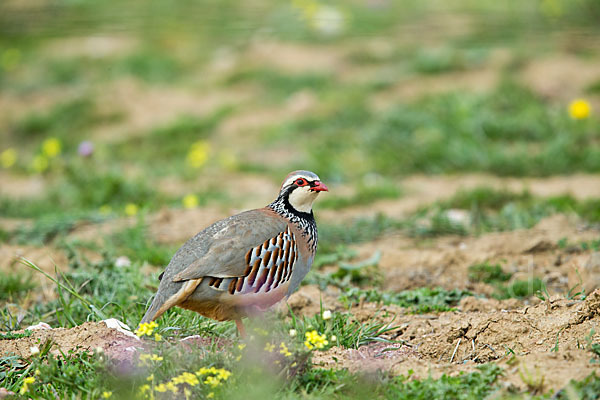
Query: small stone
{"type": "Point", "coordinates": [39, 325]}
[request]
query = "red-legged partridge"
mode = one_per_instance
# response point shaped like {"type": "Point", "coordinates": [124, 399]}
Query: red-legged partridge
{"type": "Point", "coordinates": [247, 262]}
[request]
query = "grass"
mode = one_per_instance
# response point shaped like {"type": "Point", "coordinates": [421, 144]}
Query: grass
{"type": "Point", "coordinates": [134, 243]}
{"type": "Point", "coordinates": [64, 120]}
{"type": "Point", "coordinates": [476, 385]}
{"type": "Point", "coordinates": [509, 131]}
{"type": "Point", "coordinates": [586, 389]}
{"type": "Point", "coordinates": [172, 141]}
{"type": "Point", "coordinates": [593, 245]}
{"type": "Point", "coordinates": [418, 301]}
{"type": "Point", "coordinates": [348, 332]}
{"type": "Point", "coordinates": [364, 194]}
{"type": "Point", "coordinates": [488, 273]}
{"type": "Point", "coordinates": [278, 85]}
{"type": "Point", "coordinates": [359, 230]}
{"type": "Point", "coordinates": [487, 209]}
{"type": "Point", "coordinates": [13, 285]}
{"type": "Point", "coordinates": [494, 275]}
{"type": "Point", "coordinates": [83, 188]}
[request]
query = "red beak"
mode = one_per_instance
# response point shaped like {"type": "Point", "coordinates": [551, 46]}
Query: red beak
{"type": "Point", "coordinates": [320, 187]}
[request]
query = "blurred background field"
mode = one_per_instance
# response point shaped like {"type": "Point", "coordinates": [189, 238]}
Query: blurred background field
{"type": "Point", "coordinates": [126, 127]}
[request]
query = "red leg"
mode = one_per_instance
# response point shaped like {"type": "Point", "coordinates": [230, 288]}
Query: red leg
{"type": "Point", "coordinates": [240, 327]}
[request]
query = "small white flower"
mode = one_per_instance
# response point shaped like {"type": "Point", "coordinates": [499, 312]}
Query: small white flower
{"type": "Point", "coordinates": [326, 314]}
{"type": "Point", "coordinates": [99, 350]}
{"type": "Point", "coordinates": [333, 338]}
{"type": "Point", "coordinates": [34, 350]}
{"type": "Point", "coordinates": [293, 332]}
{"type": "Point", "coordinates": [122, 261]}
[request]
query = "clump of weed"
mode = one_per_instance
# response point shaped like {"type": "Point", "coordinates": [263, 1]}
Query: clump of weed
{"type": "Point", "coordinates": [585, 245]}
{"type": "Point", "coordinates": [419, 301]}
{"type": "Point", "coordinates": [521, 289]}
{"type": "Point", "coordinates": [488, 273]}
{"type": "Point", "coordinates": [586, 389]}
{"type": "Point", "coordinates": [475, 385]}
{"type": "Point", "coordinates": [340, 329]}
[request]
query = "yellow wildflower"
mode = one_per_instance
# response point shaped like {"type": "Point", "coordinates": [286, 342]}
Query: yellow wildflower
{"type": "Point", "coordinates": [157, 337]}
{"type": "Point", "coordinates": [171, 387]}
{"type": "Point", "coordinates": [269, 347]}
{"type": "Point", "coordinates": [26, 382]}
{"type": "Point", "coordinates": [8, 158]}
{"type": "Point", "coordinates": [205, 371]}
{"type": "Point", "coordinates": [579, 109]}
{"type": "Point", "coordinates": [283, 349]}
{"type": "Point", "coordinates": [210, 395]}
{"type": "Point", "coordinates": [131, 209]}
{"type": "Point", "coordinates": [144, 388]}
{"type": "Point", "coordinates": [241, 346]}
{"type": "Point", "coordinates": [51, 147]}
{"type": "Point", "coordinates": [39, 163]}
{"type": "Point", "coordinates": [161, 388]}
{"type": "Point", "coordinates": [198, 154]}
{"type": "Point", "coordinates": [150, 377]}
{"type": "Point", "coordinates": [146, 328]}
{"type": "Point", "coordinates": [106, 395]}
{"type": "Point", "coordinates": [216, 375]}
{"type": "Point", "coordinates": [145, 358]}
{"type": "Point", "coordinates": [190, 201]}
{"type": "Point", "coordinates": [314, 340]}
{"type": "Point", "coordinates": [212, 381]}
{"type": "Point", "coordinates": [223, 374]}
{"type": "Point", "coordinates": [186, 377]}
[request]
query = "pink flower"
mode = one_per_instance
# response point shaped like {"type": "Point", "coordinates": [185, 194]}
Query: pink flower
{"type": "Point", "coordinates": [85, 149]}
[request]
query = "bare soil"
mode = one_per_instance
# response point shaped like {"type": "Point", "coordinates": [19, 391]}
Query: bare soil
{"type": "Point", "coordinates": [90, 336]}
{"type": "Point", "coordinates": [544, 343]}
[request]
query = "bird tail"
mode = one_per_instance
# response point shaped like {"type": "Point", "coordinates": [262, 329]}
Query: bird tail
{"type": "Point", "coordinates": [162, 303]}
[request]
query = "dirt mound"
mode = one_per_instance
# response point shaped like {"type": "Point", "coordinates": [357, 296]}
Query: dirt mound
{"type": "Point", "coordinates": [90, 336]}
{"type": "Point", "coordinates": [541, 345]}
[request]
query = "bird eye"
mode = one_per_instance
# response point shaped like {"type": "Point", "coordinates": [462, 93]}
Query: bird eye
{"type": "Point", "coordinates": [300, 182]}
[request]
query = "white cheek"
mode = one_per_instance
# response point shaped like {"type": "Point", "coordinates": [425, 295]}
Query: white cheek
{"type": "Point", "coordinates": [302, 199]}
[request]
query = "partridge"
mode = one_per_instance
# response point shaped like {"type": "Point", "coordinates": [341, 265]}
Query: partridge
{"type": "Point", "coordinates": [244, 264]}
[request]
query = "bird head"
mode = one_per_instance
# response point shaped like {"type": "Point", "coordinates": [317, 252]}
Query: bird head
{"type": "Point", "coordinates": [300, 189]}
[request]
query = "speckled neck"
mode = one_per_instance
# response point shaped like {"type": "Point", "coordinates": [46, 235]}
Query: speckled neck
{"type": "Point", "coordinates": [305, 222]}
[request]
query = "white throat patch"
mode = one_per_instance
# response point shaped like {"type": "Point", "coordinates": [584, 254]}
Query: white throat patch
{"type": "Point", "coordinates": [302, 199]}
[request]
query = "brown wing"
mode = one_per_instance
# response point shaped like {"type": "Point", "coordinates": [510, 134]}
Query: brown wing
{"type": "Point", "coordinates": [268, 266]}
{"type": "Point", "coordinates": [219, 251]}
